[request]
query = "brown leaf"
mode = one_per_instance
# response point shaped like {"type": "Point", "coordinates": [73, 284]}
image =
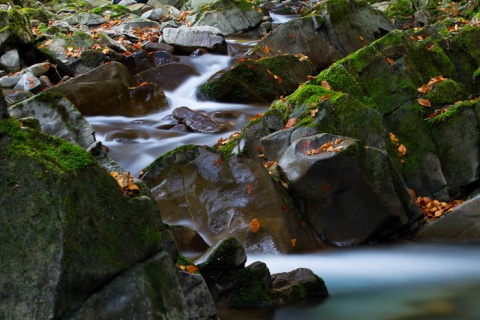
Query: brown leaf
{"type": "Point", "coordinates": [325, 97]}
{"type": "Point", "coordinates": [436, 79]}
{"type": "Point", "coordinates": [254, 225]}
{"type": "Point", "coordinates": [424, 102]}
{"type": "Point", "coordinates": [326, 85]}
{"type": "Point", "coordinates": [191, 269]}
{"type": "Point", "coordinates": [249, 188]}
{"type": "Point", "coordinates": [424, 89]}
{"type": "Point", "coordinates": [390, 61]}
{"type": "Point", "coordinates": [311, 77]}
{"type": "Point", "coordinates": [294, 242]}
{"type": "Point", "coordinates": [290, 123]}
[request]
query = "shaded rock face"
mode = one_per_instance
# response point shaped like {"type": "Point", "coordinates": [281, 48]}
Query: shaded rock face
{"type": "Point", "coordinates": [337, 30]}
{"type": "Point", "coordinates": [168, 76]}
{"type": "Point", "coordinates": [112, 90]}
{"type": "Point", "coordinates": [194, 186]}
{"type": "Point", "coordinates": [297, 285]}
{"type": "Point", "coordinates": [257, 81]}
{"type": "Point", "coordinates": [349, 195]}
{"type": "Point", "coordinates": [78, 231]}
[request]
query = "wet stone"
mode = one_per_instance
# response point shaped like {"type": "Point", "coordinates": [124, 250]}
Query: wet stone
{"type": "Point", "coordinates": [196, 121]}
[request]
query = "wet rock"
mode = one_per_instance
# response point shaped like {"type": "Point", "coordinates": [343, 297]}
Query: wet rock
{"type": "Point", "coordinates": [195, 186]}
{"type": "Point", "coordinates": [10, 61]}
{"type": "Point", "coordinates": [162, 57]}
{"type": "Point", "coordinates": [168, 76]}
{"type": "Point", "coordinates": [462, 224]}
{"type": "Point", "coordinates": [141, 292]}
{"type": "Point", "coordinates": [297, 285]}
{"type": "Point", "coordinates": [57, 117]}
{"type": "Point", "coordinates": [188, 240]}
{"type": "Point", "coordinates": [188, 39]}
{"type": "Point", "coordinates": [251, 81]}
{"type": "Point", "coordinates": [332, 33]}
{"type": "Point", "coordinates": [350, 195]}
{"type": "Point", "coordinates": [70, 246]}
{"type": "Point", "coordinates": [17, 97]}
{"type": "Point", "coordinates": [3, 107]}
{"type": "Point", "coordinates": [111, 90]}
{"type": "Point", "coordinates": [86, 18]}
{"type": "Point", "coordinates": [196, 121]}
{"type": "Point", "coordinates": [138, 62]}
{"type": "Point", "coordinates": [154, 14]}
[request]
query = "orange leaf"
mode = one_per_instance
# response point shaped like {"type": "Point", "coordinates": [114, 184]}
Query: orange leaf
{"type": "Point", "coordinates": [266, 49]}
{"type": "Point", "coordinates": [424, 89]}
{"type": "Point", "coordinates": [424, 102]}
{"type": "Point", "coordinates": [402, 150]}
{"type": "Point", "coordinates": [326, 85]}
{"type": "Point", "coordinates": [325, 97]}
{"type": "Point", "coordinates": [277, 78]}
{"type": "Point", "coordinates": [191, 268]}
{"type": "Point", "coordinates": [106, 51]}
{"type": "Point", "coordinates": [291, 36]}
{"type": "Point", "coordinates": [254, 225]}
{"type": "Point", "coordinates": [290, 123]}
{"type": "Point", "coordinates": [249, 188]}
{"type": "Point", "coordinates": [390, 61]}
{"type": "Point", "coordinates": [294, 242]}
{"type": "Point", "coordinates": [436, 79]}
{"type": "Point", "coordinates": [311, 78]}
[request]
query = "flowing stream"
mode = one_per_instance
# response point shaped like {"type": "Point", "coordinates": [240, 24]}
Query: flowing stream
{"type": "Point", "coordinates": [402, 282]}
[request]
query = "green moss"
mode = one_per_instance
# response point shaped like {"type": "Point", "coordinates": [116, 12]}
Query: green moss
{"type": "Point", "coordinates": [249, 289]}
{"type": "Point", "coordinates": [115, 10]}
{"type": "Point", "coordinates": [450, 112]}
{"type": "Point", "coordinates": [341, 80]}
{"type": "Point", "coordinates": [469, 40]}
{"type": "Point", "coordinates": [446, 92]}
{"type": "Point", "coordinates": [50, 151]}
{"type": "Point", "coordinates": [400, 8]}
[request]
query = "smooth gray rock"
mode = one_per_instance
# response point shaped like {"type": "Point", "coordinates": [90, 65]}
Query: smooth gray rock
{"type": "Point", "coordinates": [189, 39]}
{"type": "Point", "coordinates": [200, 303]}
{"type": "Point", "coordinates": [58, 117]}
{"type": "Point", "coordinates": [10, 61]}
{"type": "Point", "coordinates": [196, 121]}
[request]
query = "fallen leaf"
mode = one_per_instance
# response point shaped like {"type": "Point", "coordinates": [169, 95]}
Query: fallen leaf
{"type": "Point", "coordinates": [402, 150]}
{"type": "Point", "coordinates": [311, 77]}
{"type": "Point", "coordinates": [294, 242]}
{"type": "Point", "coordinates": [259, 149]}
{"type": "Point", "coordinates": [424, 102]}
{"type": "Point", "coordinates": [390, 61]}
{"type": "Point", "coordinates": [254, 225]}
{"type": "Point", "coordinates": [325, 97]}
{"type": "Point", "coordinates": [313, 112]}
{"type": "Point", "coordinates": [326, 85]}
{"type": "Point", "coordinates": [266, 49]}
{"type": "Point", "coordinates": [290, 123]}
{"type": "Point", "coordinates": [424, 89]}
{"type": "Point", "coordinates": [249, 188]}
{"type": "Point", "coordinates": [191, 269]}
{"type": "Point", "coordinates": [306, 144]}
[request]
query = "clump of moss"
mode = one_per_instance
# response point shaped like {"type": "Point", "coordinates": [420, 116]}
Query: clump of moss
{"type": "Point", "coordinates": [51, 151]}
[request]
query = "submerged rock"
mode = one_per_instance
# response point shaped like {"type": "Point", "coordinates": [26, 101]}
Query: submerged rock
{"type": "Point", "coordinates": [196, 121]}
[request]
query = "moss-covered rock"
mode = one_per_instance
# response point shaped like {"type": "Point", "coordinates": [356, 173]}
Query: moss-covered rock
{"type": "Point", "coordinates": [251, 81]}
{"type": "Point", "coordinates": [15, 30]}
{"type": "Point", "coordinates": [78, 230]}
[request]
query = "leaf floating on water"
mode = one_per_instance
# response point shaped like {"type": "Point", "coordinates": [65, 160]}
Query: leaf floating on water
{"type": "Point", "coordinates": [254, 225]}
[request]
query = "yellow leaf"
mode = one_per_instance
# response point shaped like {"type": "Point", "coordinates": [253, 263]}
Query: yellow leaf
{"type": "Point", "coordinates": [191, 268]}
{"type": "Point", "coordinates": [294, 242]}
{"type": "Point", "coordinates": [402, 150]}
{"type": "Point", "coordinates": [254, 225]}
{"type": "Point", "coordinates": [313, 113]}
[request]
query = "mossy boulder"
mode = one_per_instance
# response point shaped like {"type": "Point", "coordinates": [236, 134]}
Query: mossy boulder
{"type": "Point", "coordinates": [251, 81]}
{"type": "Point", "coordinates": [331, 31]}
{"type": "Point", "coordinates": [15, 30]}
{"type": "Point", "coordinates": [67, 223]}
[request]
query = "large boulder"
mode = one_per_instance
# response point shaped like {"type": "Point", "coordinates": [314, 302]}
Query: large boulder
{"type": "Point", "coordinates": [335, 29]}
{"type": "Point", "coordinates": [15, 30]}
{"type": "Point", "coordinates": [57, 117]}
{"type": "Point", "coordinates": [229, 16]}
{"type": "Point", "coordinates": [112, 90]}
{"type": "Point", "coordinates": [349, 194]}
{"type": "Point", "coordinates": [251, 81]}
{"type": "Point", "coordinates": [219, 197]}
{"type": "Point", "coordinates": [67, 227]}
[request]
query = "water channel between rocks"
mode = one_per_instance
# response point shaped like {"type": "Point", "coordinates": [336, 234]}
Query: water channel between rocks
{"type": "Point", "coordinates": [406, 282]}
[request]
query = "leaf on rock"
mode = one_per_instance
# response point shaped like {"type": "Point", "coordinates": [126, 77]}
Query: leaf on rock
{"type": "Point", "coordinates": [390, 61]}
{"type": "Point", "coordinates": [254, 225]}
{"type": "Point", "coordinates": [290, 123]}
{"type": "Point", "coordinates": [326, 85]}
{"type": "Point", "coordinates": [424, 102]}
{"type": "Point", "coordinates": [125, 181]}
{"type": "Point", "coordinates": [424, 89]}
{"type": "Point", "coordinates": [313, 113]}
{"type": "Point", "coordinates": [249, 188]}
{"type": "Point", "coordinates": [402, 150]}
